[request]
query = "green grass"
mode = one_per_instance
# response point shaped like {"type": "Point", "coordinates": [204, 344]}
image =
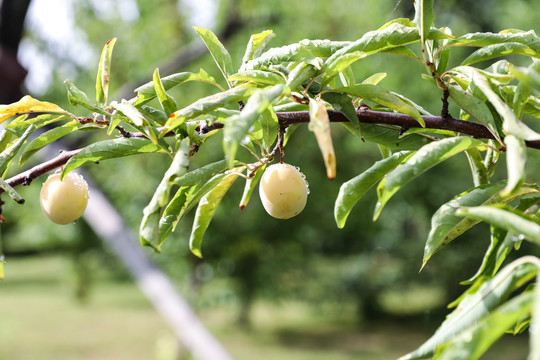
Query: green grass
{"type": "Point", "coordinates": [41, 320]}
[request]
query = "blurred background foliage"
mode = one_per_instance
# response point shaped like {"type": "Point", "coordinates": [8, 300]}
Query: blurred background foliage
{"type": "Point", "coordinates": [367, 270]}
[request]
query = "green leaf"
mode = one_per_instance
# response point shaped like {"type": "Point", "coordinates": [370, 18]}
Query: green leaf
{"type": "Point", "coordinates": [505, 217]}
{"type": "Point", "coordinates": [46, 138]}
{"type": "Point", "coordinates": [351, 191]}
{"type": "Point", "coordinates": [78, 97]}
{"type": "Point", "coordinates": [516, 157]}
{"type": "Point", "coordinates": [511, 124]}
{"type": "Point", "coordinates": [239, 125]}
{"type": "Point", "coordinates": [206, 210]}
{"type": "Point", "coordinates": [344, 104]}
{"type": "Point", "coordinates": [11, 191]}
{"type": "Point", "coordinates": [427, 157]}
{"type": "Point", "coordinates": [147, 92]}
{"type": "Point", "coordinates": [251, 184]}
{"type": "Point", "coordinates": [258, 77]}
{"type": "Point", "coordinates": [109, 149]}
{"type": "Point", "coordinates": [389, 136]}
{"type": "Point", "coordinates": [478, 168]}
{"type": "Point", "coordinates": [528, 38]}
{"type": "Point", "coordinates": [300, 74]}
{"type": "Point", "coordinates": [217, 50]}
{"type": "Point", "coordinates": [9, 153]}
{"type": "Point", "coordinates": [472, 343]}
{"type": "Point", "coordinates": [529, 76]}
{"type": "Point", "coordinates": [383, 97]}
{"type": "Point", "coordinates": [104, 72]}
{"type": "Point", "coordinates": [256, 45]}
{"type": "Point", "coordinates": [206, 105]}
{"type": "Point", "coordinates": [336, 65]}
{"type": "Point", "coordinates": [149, 229]}
{"type": "Point", "coordinates": [498, 50]}
{"type": "Point", "coordinates": [192, 186]}
{"type": "Point", "coordinates": [19, 127]}
{"type": "Point", "coordinates": [423, 17]}
{"type": "Point", "coordinates": [476, 108]}
{"type": "Point", "coordinates": [475, 307]}
{"type": "Point", "coordinates": [534, 336]}
{"type": "Point", "coordinates": [305, 51]}
{"type": "Point", "coordinates": [166, 101]}
{"type": "Point", "coordinates": [446, 225]}
{"type": "Point", "coordinates": [134, 117]}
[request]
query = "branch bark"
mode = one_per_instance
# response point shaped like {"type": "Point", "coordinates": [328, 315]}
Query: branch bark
{"type": "Point", "coordinates": [297, 117]}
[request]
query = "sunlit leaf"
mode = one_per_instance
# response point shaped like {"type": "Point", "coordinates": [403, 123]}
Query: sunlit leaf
{"type": "Point", "coordinates": [381, 96]}
{"type": "Point", "coordinates": [319, 123]}
{"type": "Point", "coordinates": [166, 101]}
{"type": "Point", "coordinates": [239, 125]}
{"type": "Point", "coordinates": [351, 191]}
{"type": "Point", "coordinates": [338, 64]}
{"type": "Point", "coordinates": [28, 105]}
{"type": "Point", "coordinates": [505, 217]}
{"type": "Point", "coordinates": [11, 191]}
{"type": "Point", "coordinates": [446, 225]}
{"type": "Point", "coordinates": [516, 158]}
{"type": "Point", "coordinates": [217, 50]}
{"type": "Point", "coordinates": [498, 50]}
{"type": "Point", "coordinates": [256, 45]}
{"type": "Point", "coordinates": [109, 149]}
{"type": "Point", "coordinates": [529, 76]}
{"type": "Point", "coordinates": [473, 342]}
{"type": "Point", "coordinates": [423, 16]}
{"type": "Point", "coordinates": [475, 307]}
{"type": "Point", "coordinates": [11, 151]}
{"type": "Point", "coordinates": [258, 77]}
{"type": "Point", "coordinates": [206, 210]}
{"type": "Point", "coordinates": [485, 39]}
{"type": "Point", "coordinates": [205, 105]}
{"type": "Point", "coordinates": [104, 72]}
{"type": "Point", "coordinates": [427, 157]}
{"type": "Point", "coordinates": [147, 91]}
{"type": "Point", "coordinates": [149, 229]}
{"type": "Point", "coordinates": [251, 184]}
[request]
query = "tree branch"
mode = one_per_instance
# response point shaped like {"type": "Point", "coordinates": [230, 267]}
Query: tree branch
{"type": "Point", "coordinates": [287, 118]}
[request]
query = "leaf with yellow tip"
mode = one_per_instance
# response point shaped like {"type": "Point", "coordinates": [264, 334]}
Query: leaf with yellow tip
{"type": "Point", "coordinates": [29, 105]}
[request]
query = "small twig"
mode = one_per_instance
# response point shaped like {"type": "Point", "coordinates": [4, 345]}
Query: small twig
{"type": "Point", "coordinates": [279, 143]}
{"type": "Point", "coordinates": [444, 111]}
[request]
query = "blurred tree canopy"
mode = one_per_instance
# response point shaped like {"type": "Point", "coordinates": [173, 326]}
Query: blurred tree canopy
{"type": "Point", "coordinates": [306, 257]}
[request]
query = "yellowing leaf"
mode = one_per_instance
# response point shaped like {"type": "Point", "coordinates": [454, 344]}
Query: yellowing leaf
{"type": "Point", "coordinates": [319, 123]}
{"type": "Point", "coordinates": [28, 105]}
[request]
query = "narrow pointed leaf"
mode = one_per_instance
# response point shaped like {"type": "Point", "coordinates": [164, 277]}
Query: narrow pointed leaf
{"type": "Point", "coordinates": [147, 91]}
{"type": "Point", "coordinates": [166, 101]}
{"type": "Point", "coordinates": [336, 65]}
{"type": "Point", "coordinates": [28, 105]}
{"type": "Point", "coordinates": [529, 76]}
{"type": "Point", "coordinates": [104, 72]}
{"type": "Point", "coordinates": [258, 77]}
{"type": "Point", "coordinates": [344, 104]}
{"type": "Point", "coordinates": [149, 229]}
{"type": "Point", "coordinates": [78, 97]}
{"type": "Point", "coordinates": [206, 210]}
{"type": "Point", "coordinates": [351, 191]}
{"type": "Point", "coordinates": [109, 149]}
{"type": "Point", "coordinates": [423, 17]}
{"type": "Point", "coordinates": [507, 218]}
{"type": "Point", "coordinates": [187, 193]}
{"type": "Point", "coordinates": [516, 157]}
{"type": "Point", "coordinates": [10, 152]}
{"type": "Point", "coordinates": [475, 307]}
{"type": "Point", "coordinates": [238, 126]}
{"type": "Point", "coordinates": [319, 123]}
{"type": "Point", "coordinates": [206, 105]}
{"type": "Point", "coordinates": [383, 97]}
{"type": "Point", "coordinates": [251, 184]}
{"type": "Point", "coordinates": [427, 157]}
{"type": "Point", "coordinates": [48, 137]}
{"type": "Point", "coordinates": [12, 193]}
{"type": "Point", "coordinates": [498, 50]}
{"type": "Point", "coordinates": [256, 45]}
{"type": "Point", "coordinates": [217, 50]}
{"type": "Point", "coordinates": [511, 124]}
{"type": "Point", "coordinates": [485, 39]}
{"type": "Point", "coordinates": [472, 343]}
{"type": "Point", "coordinates": [446, 225]}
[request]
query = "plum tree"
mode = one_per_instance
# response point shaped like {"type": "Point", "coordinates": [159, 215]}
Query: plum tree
{"type": "Point", "coordinates": [64, 201]}
{"type": "Point", "coordinates": [283, 190]}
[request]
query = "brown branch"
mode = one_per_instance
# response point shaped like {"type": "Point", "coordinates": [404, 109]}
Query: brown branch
{"type": "Point", "coordinates": [287, 118]}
